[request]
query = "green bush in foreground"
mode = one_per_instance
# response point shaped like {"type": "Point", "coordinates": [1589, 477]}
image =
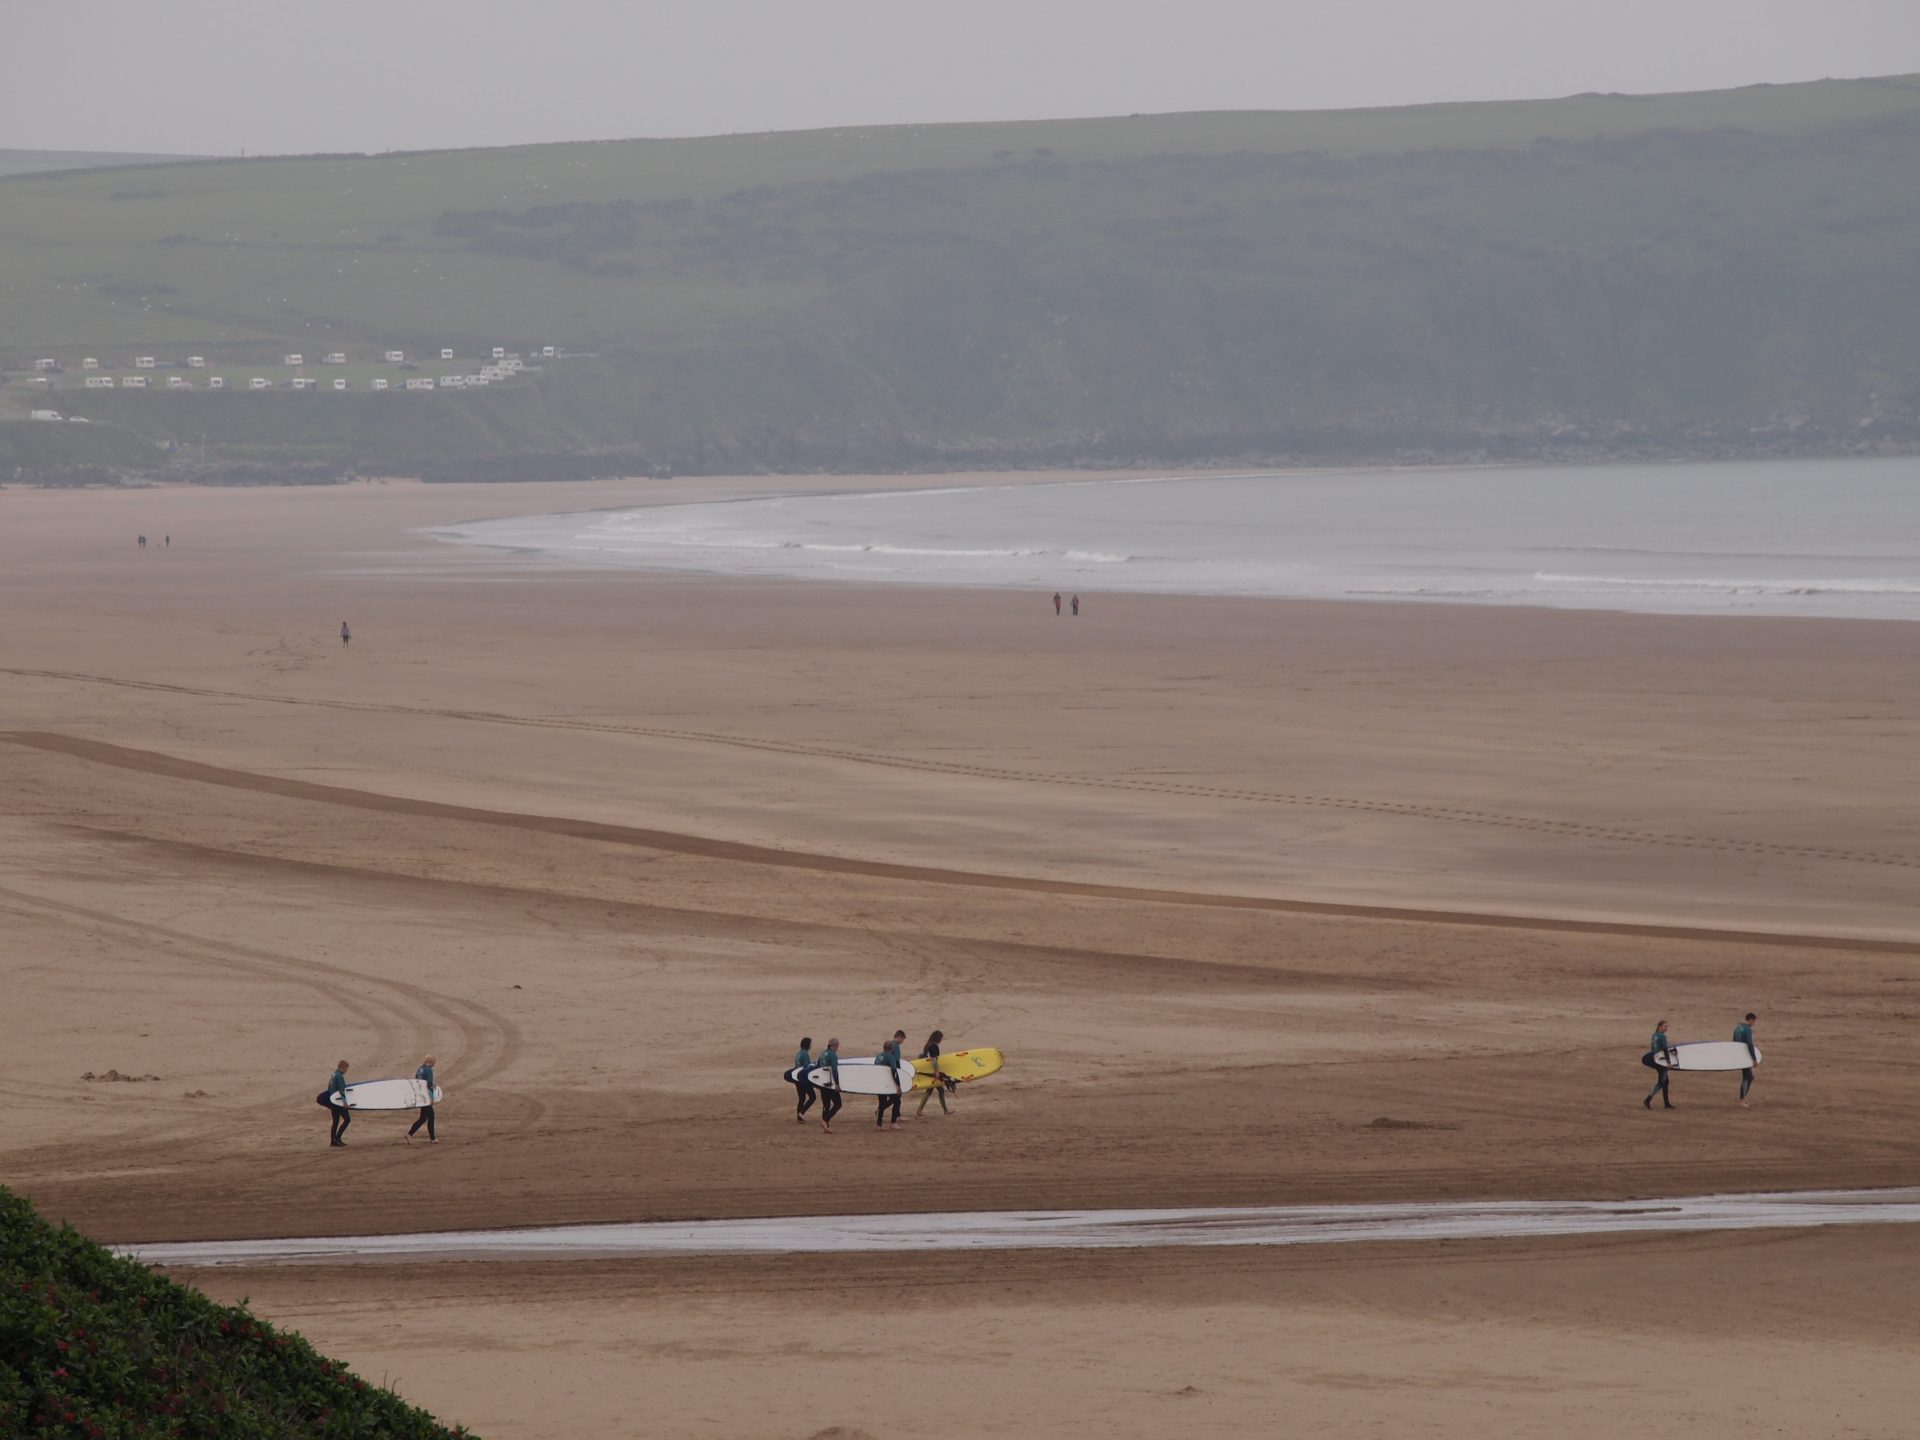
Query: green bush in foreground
{"type": "Point", "coordinates": [100, 1347]}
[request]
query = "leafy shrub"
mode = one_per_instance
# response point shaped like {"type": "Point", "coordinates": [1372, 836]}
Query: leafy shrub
{"type": "Point", "coordinates": [97, 1347]}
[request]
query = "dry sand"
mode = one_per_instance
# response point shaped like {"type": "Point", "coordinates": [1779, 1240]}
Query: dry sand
{"type": "Point", "coordinates": [1230, 881]}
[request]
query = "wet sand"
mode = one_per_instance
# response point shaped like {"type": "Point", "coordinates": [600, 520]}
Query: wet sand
{"type": "Point", "coordinates": [1808, 1333]}
{"type": "Point", "coordinates": [1268, 903]}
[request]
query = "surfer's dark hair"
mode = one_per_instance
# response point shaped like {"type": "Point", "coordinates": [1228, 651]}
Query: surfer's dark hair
{"type": "Point", "coordinates": [936, 1037]}
{"type": "Point", "coordinates": [1750, 1015]}
{"type": "Point", "coordinates": [1658, 1023]}
{"type": "Point", "coordinates": [806, 1042]}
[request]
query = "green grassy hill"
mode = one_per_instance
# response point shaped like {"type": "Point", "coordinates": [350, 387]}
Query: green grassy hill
{"type": "Point", "coordinates": [38, 162]}
{"type": "Point", "coordinates": [93, 1347]}
{"type": "Point", "coordinates": [1677, 274]}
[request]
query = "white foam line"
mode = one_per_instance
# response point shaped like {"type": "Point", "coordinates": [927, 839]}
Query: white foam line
{"type": "Point", "coordinates": [1077, 1229]}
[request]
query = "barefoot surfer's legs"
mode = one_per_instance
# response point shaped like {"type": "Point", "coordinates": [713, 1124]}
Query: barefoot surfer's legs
{"type": "Point", "coordinates": [426, 1119]}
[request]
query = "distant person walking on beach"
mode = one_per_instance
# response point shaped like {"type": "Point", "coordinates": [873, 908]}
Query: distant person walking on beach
{"type": "Point", "coordinates": [334, 1097]}
{"type": "Point", "coordinates": [143, 545]}
{"type": "Point", "coordinates": [346, 635]}
{"type": "Point", "coordinates": [1659, 1045]}
{"type": "Point", "coordinates": [1743, 1035]}
{"type": "Point", "coordinates": [802, 1063]}
{"type": "Point", "coordinates": [890, 1057]}
{"type": "Point", "coordinates": [425, 1075]}
{"type": "Point", "coordinates": [830, 1101]}
{"type": "Point", "coordinates": [1076, 607]}
{"type": "Point", "coordinates": [931, 1051]}
{"type": "Point", "coordinates": [1056, 595]}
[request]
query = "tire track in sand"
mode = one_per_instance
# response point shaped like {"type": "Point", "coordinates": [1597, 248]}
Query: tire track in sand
{"type": "Point", "coordinates": [172, 767]}
{"type": "Point", "coordinates": [402, 1017]}
{"type": "Point", "coordinates": [1448, 814]}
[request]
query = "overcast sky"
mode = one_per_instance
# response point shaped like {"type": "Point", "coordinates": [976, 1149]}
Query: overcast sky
{"type": "Point", "coordinates": [217, 76]}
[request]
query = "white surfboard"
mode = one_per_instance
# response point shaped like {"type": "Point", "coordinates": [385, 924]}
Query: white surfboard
{"type": "Point", "coordinates": [391, 1095]}
{"type": "Point", "coordinates": [864, 1077]}
{"type": "Point", "coordinates": [1707, 1055]}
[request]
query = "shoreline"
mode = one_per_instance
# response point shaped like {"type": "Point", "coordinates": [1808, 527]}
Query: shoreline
{"type": "Point", "coordinates": [918, 552]}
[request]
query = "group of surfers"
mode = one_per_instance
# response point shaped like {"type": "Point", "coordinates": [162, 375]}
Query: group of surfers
{"type": "Point", "coordinates": [891, 1055]}
{"type": "Point", "coordinates": [1662, 1044]}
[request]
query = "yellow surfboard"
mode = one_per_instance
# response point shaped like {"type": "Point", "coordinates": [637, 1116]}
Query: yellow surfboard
{"type": "Point", "coordinates": [958, 1066]}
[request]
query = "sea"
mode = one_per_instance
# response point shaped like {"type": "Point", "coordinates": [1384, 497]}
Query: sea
{"type": "Point", "coordinates": [1837, 537]}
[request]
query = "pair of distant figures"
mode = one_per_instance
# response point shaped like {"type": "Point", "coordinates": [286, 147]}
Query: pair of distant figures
{"type": "Point", "coordinates": [1663, 1058]}
{"type": "Point", "coordinates": [338, 1104]}
{"type": "Point", "coordinates": [1056, 603]}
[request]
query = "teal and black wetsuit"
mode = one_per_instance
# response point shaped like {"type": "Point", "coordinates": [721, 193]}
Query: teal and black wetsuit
{"type": "Point", "coordinates": [830, 1101]}
{"type": "Point", "coordinates": [802, 1063]}
{"type": "Point", "coordinates": [1660, 1044]}
{"type": "Point", "coordinates": [334, 1097]}
{"type": "Point", "coordinates": [890, 1057]}
{"type": "Point", "coordinates": [1743, 1035]}
{"type": "Point", "coordinates": [425, 1074]}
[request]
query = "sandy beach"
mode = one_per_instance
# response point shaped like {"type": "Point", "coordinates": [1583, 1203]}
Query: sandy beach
{"type": "Point", "coordinates": [1266, 901]}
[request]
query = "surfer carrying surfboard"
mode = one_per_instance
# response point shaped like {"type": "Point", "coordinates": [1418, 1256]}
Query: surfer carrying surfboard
{"type": "Point", "coordinates": [1659, 1045]}
{"type": "Point", "coordinates": [830, 1101]}
{"type": "Point", "coordinates": [1743, 1035]}
{"type": "Point", "coordinates": [334, 1097]}
{"type": "Point", "coordinates": [425, 1075]}
{"type": "Point", "coordinates": [890, 1057]}
{"type": "Point", "coordinates": [802, 1063]}
{"type": "Point", "coordinates": [932, 1052]}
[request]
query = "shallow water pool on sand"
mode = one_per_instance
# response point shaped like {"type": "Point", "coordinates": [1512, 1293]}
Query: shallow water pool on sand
{"type": "Point", "coordinates": [1078, 1229]}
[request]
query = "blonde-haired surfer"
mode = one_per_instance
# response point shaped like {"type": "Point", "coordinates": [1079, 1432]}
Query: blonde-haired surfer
{"type": "Point", "coordinates": [334, 1097]}
{"type": "Point", "coordinates": [425, 1075]}
{"type": "Point", "coordinates": [1659, 1045]}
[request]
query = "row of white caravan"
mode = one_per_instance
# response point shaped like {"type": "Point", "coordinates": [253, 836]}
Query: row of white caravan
{"type": "Point", "coordinates": [338, 357]}
{"type": "Point", "coordinates": [485, 377]}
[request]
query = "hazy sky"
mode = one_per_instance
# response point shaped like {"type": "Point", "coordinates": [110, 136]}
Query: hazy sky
{"type": "Point", "coordinates": [216, 76]}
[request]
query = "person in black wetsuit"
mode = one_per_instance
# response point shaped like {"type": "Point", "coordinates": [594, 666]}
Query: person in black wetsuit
{"type": "Point", "coordinates": [889, 1056]}
{"type": "Point", "coordinates": [334, 1097]}
{"type": "Point", "coordinates": [425, 1075]}
{"type": "Point", "coordinates": [1662, 1085]}
{"type": "Point", "coordinates": [1743, 1035]}
{"type": "Point", "coordinates": [830, 1101]}
{"type": "Point", "coordinates": [802, 1063]}
{"type": "Point", "coordinates": [932, 1052]}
